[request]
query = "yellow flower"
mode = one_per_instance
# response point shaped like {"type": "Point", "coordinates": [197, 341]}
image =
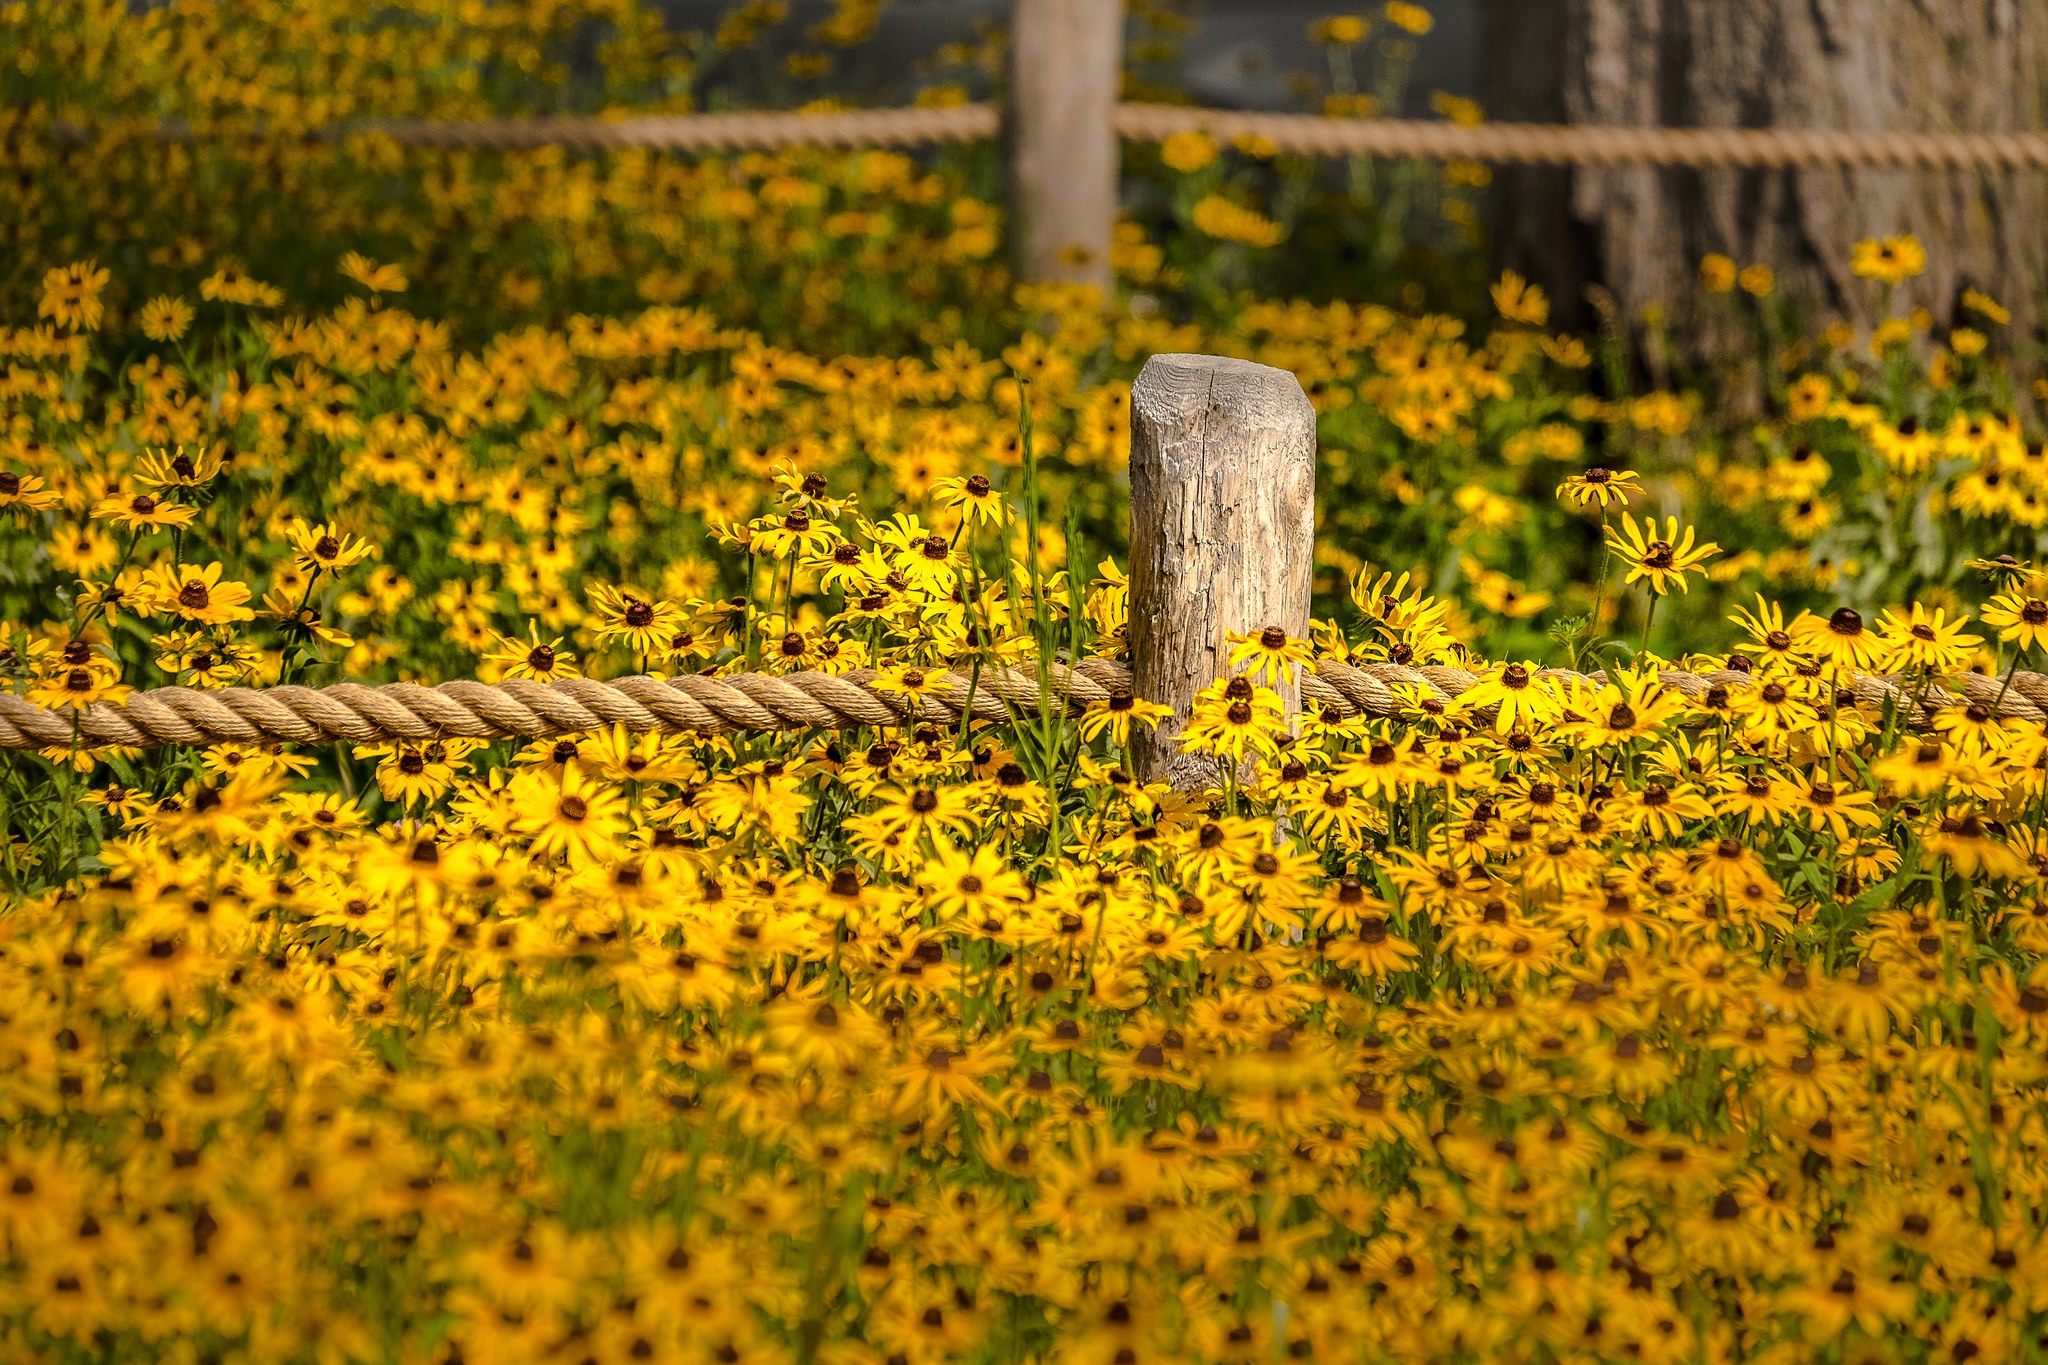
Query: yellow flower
{"type": "Point", "coordinates": [1232, 718]}
{"type": "Point", "coordinates": [1271, 655]}
{"type": "Point", "coordinates": [1633, 705]}
{"type": "Point", "coordinates": [642, 625]}
{"type": "Point", "coordinates": [71, 295]}
{"type": "Point", "coordinates": [1520, 301]}
{"type": "Point", "coordinates": [1986, 307]}
{"type": "Point", "coordinates": [230, 284]}
{"type": "Point", "coordinates": [194, 593]}
{"type": "Point", "coordinates": [179, 468]}
{"type": "Point", "coordinates": [1599, 487]}
{"type": "Point", "coordinates": [78, 683]}
{"type": "Point", "coordinates": [1339, 30]}
{"type": "Point", "coordinates": [1466, 113]}
{"type": "Point", "coordinates": [1663, 559]}
{"type": "Point", "coordinates": [1841, 639]}
{"type": "Point", "coordinates": [974, 497]}
{"type": "Point", "coordinates": [541, 661]}
{"type": "Point", "coordinates": [1923, 639]}
{"type": "Point", "coordinates": [1660, 812]}
{"type": "Point", "coordinates": [1409, 18]}
{"type": "Point", "coordinates": [970, 885]}
{"type": "Point", "coordinates": [326, 549]}
{"type": "Point", "coordinates": [1889, 333]}
{"type": "Point", "coordinates": [1717, 273]}
{"type": "Point", "coordinates": [1188, 152]}
{"type": "Point", "coordinates": [25, 491]}
{"type": "Point", "coordinates": [1891, 261]}
{"type": "Point", "coordinates": [1808, 397]}
{"type": "Point", "coordinates": [1220, 218]}
{"type": "Point", "coordinates": [378, 279]}
{"type": "Point", "coordinates": [2017, 618]}
{"type": "Point", "coordinates": [142, 512]}
{"type": "Point", "coordinates": [301, 619]}
{"type": "Point", "coordinates": [1116, 713]}
{"type": "Point", "coordinates": [165, 318]}
{"type": "Point", "coordinates": [575, 817]}
{"type": "Point", "coordinates": [1520, 698]}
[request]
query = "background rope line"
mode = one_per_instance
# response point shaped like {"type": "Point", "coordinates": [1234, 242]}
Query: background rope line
{"type": "Point", "coordinates": [703, 132]}
{"type": "Point", "coordinates": [791, 701]}
{"type": "Point", "coordinates": [1307, 134]}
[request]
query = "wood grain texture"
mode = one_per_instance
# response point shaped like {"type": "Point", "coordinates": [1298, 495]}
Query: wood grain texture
{"type": "Point", "coordinates": [1066, 67]}
{"type": "Point", "coordinates": [1223, 495]}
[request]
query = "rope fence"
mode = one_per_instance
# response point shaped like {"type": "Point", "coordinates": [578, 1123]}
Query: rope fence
{"type": "Point", "coordinates": [759, 702]}
{"type": "Point", "coordinates": [1299, 134]}
{"type": "Point", "coordinates": [1295, 134]}
{"type": "Point", "coordinates": [702, 132]}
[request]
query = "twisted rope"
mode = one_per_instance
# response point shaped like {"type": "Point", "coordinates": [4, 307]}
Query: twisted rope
{"type": "Point", "coordinates": [1585, 143]}
{"type": "Point", "coordinates": [1303, 134]}
{"type": "Point", "coordinates": [704, 132]}
{"type": "Point", "coordinates": [790, 701]}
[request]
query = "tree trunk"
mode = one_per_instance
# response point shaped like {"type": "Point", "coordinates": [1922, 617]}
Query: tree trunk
{"type": "Point", "coordinates": [1909, 65]}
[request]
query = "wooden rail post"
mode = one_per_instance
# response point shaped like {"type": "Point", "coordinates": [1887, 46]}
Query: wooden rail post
{"type": "Point", "coordinates": [1223, 525]}
{"type": "Point", "coordinates": [1066, 68]}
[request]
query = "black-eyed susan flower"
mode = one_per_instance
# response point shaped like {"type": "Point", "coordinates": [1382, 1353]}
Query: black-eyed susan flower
{"type": "Point", "coordinates": [643, 625]}
{"type": "Point", "coordinates": [1601, 487]}
{"type": "Point", "coordinates": [140, 512]}
{"type": "Point", "coordinates": [25, 492]}
{"type": "Point", "coordinates": [1924, 640]}
{"type": "Point", "coordinates": [576, 817]}
{"type": "Point", "coordinates": [195, 593]}
{"type": "Point", "coordinates": [540, 660]}
{"type": "Point", "coordinates": [1841, 639]}
{"type": "Point", "coordinates": [1661, 559]}
{"type": "Point", "coordinates": [973, 497]}
{"type": "Point", "coordinates": [1234, 717]}
{"type": "Point", "coordinates": [1115, 714]}
{"type": "Point", "coordinates": [326, 549]}
{"type": "Point", "coordinates": [180, 468]}
{"type": "Point", "coordinates": [2018, 619]}
{"type": "Point", "coordinates": [1269, 656]}
{"type": "Point", "coordinates": [166, 318]}
{"type": "Point", "coordinates": [71, 295]}
{"type": "Point", "coordinates": [1890, 260]}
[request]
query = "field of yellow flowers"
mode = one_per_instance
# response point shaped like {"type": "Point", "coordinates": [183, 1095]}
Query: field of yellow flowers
{"type": "Point", "coordinates": [1565, 1018]}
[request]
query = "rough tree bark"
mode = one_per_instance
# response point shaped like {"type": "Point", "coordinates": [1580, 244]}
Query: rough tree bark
{"type": "Point", "coordinates": [1911, 65]}
{"type": "Point", "coordinates": [1223, 528]}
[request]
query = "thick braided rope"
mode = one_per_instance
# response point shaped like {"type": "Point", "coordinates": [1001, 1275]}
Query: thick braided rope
{"type": "Point", "coordinates": [1303, 134]}
{"type": "Point", "coordinates": [791, 701]}
{"type": "Point", "coordinates": [1587, 144]}
{"type": "Point", "coordinates": [703, 132]}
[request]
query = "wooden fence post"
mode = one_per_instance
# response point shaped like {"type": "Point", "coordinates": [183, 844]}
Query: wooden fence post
{"type": "Point", "coordinates": [1066, 64]}
{"type": "Point", "coordinates": [1223, 526]}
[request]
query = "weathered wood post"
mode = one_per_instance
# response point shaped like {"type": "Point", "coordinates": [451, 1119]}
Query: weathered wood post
{"type": "Point", "coordinates": [1223, 526]}
{"type": "Point", "coordinates": [1066, 61]}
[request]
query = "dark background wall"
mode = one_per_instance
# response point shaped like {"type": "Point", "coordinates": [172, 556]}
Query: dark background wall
{"type": "Point", "coordinates": [1235, 53]}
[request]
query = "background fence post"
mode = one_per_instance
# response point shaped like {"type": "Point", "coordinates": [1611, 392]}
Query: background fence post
{"type": "Point", "coordinates": [1223, 526]}
{"type": "Point", "coordinates": [1066, 68]}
